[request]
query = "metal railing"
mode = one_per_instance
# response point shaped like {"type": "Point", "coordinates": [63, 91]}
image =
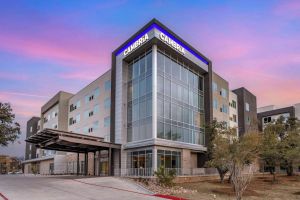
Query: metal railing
{"type": "Point", "coordinates": [149, 172]}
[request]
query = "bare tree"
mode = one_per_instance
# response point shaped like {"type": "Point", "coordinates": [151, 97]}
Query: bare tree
{"type": "Point", "coordinates": [241, 177]}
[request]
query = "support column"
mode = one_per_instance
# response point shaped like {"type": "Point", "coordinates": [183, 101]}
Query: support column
{"type": "Point", "coordinates": [77, 164]}
{"type": "Point", "coordinates": [154, 91]}
{"type": "Point", "coordinates": [154, 159]}
{"type": "Point", "coordinates": [94, 163]}
{"type": "Point", "coordinates": [109, 162]}
{"type": "Point", "coordinates": [86, 163]}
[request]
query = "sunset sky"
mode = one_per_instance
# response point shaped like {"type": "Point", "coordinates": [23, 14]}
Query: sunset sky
{"type": "Point", "coordinates": [47, 46]}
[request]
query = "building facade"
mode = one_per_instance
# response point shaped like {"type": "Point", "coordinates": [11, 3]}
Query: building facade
{"type": "Point", "coordinates": [269, 114]}
{"type": "Point", "coordinates": [32, 128]}
{"type": "Point", "coordinates": [161, 99]}
{"type": "Point", "coordinates": [247, 110]}
{"type": "Point", "coordinates": [154, 103]}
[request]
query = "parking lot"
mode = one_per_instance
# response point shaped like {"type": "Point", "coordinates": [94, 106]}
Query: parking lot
{"type": "Point", "coordinates": [30, 187]}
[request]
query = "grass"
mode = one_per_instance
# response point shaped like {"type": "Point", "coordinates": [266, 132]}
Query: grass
{"type": "Point", "coordinates": [261, 187]}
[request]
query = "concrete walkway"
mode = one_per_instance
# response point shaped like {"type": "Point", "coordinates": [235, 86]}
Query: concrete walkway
{"type": "Point", "coordinates": [20, 187]}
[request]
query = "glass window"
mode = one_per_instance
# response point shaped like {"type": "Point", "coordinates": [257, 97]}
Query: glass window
{"type": "Point", "coordinates": [96, 108]}
{"type": "Point", "coordinates": [160, 84]}
{"type": "Point", "coordinates": [184, 75]}
{"type": "Point", "coordinates": [142, 87]}
{"type": "Point", "coordinates": [142, 65]}
{"type": "Point", "coordinates": [167, 87]}
{"type": "Point", "coordinates": [167, 109]}
{"type": "Point", "coordinates": [214, 86]}
{"type": "Point", "coordinates": [135, 69]}
{"type": "Point", "coordinates": [247, 107]}
{"type": "Point", "coordinates": [168, 66]}
{"type": "Point", "coordinates": [168, 131]}
{"type": "Point", "coordinates": [107, 85]}
{"type": "Point", "coordinates": [215, 104]}
{"type": "Point", "coordinates": [148, 84]}
{"type": "Point", "coordinates": [149, 63]}
{"type": "Point", "coordinates": [160, 130]}
{"type": "Point", "coordinates": [107, 103]}
{"type": "Point", "coordinates": [160, 108]}
{"type": "Point", "coordinates": [160, 62]}
{"type": "Point", "coordinates": [149, 107]}
{"type": "Point", "coordinates": [97, 92]}
{"type": "Point", "coordinates": [224, 93]}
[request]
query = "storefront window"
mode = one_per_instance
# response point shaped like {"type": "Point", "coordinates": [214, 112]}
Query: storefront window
{"type": "Point", "coordinates": [168, 159]}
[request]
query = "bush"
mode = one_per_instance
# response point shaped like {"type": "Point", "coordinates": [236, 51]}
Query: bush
{"type": "Point", "coordinates": [165, 178]}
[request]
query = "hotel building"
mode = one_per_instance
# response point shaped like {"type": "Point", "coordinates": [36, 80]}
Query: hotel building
{"type": "Point", "coordinates": [149, 110]}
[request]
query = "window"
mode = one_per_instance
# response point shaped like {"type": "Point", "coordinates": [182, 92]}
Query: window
{"type": "Point", "coordinates": [233, 104]}
{"type": "Point", "coordinates": [224, 109]}
{"type": "Point", "coordinates": [54, 126]}
{"type": "Point", "coordinates": [91, 113]}
{"type": "Point", "coordinates": [96, 108]}
{"type": "Point", "coordinates": [95, 125]}
{"type": "Point", "coordinates": [267, 120]}
{"type": "Point", "coordinates": [90, 130]}
{"type": "Point", "coordinates": [91, 97]}
{"type": "Point", "coordinates": [30, 145]}
{"type": "Point", "coordinates": [224, 93]}
{"type": "Point", "coordinates": [97, 92]}
{"type": "Point", "coordinates": [214, 86]}
{"type": "Point", "coordinates": [234, 118]}
{"type": "Point", "coordinates": [107, 85]}
{"type": "Point", "coordinates": [71, 121]}
{"type": "Point", "coordinates": [77, 119]}
{"type": "Point", "coordinates": [107, 121]}
{"type": "Point", "coordinates": [30, 129]}
{"type": "Point", "coordinates": [215, 104]}
{"type": "Point", "coordinates": [107, 103]}
{"type": "Point", "coordinates": [247, 107]}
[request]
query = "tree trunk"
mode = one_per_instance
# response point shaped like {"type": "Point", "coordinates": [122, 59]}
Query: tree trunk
{"type": "Point", "coordinates": [229, 178]}
{"type": "Point", "coordinates": [290, 170]}
{"type": "Point", "coordinates": [222, 174]}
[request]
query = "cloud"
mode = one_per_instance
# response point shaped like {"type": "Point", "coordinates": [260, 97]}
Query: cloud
{"type": "Point", "coordinates": [13, 76]}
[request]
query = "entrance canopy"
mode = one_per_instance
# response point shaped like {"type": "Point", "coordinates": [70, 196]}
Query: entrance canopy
{"type": "Point", "coordinates": [70, 142]}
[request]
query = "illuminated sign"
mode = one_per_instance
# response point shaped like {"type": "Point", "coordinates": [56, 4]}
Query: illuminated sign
{"type": "Point", "coordinates": [171, 43]}
{"type": "Point", "coordinates": [136, 44]}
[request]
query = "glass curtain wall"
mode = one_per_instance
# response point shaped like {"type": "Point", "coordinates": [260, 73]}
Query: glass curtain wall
{"type": "Point", "coordinates": [139, 98]}
{"type": "Point", "coordinates": [180, 101]}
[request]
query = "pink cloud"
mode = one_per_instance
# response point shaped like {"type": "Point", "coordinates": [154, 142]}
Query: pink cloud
{"type": "Point", "coordinates": [24, 105]}
{"type": "Point", "coordinates": [13, 76]}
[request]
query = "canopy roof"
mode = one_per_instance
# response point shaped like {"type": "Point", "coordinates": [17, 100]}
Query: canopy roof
{"type": "Point", "coordinates": [68, 141]}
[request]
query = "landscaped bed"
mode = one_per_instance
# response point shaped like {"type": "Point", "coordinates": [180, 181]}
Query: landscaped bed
{"type": "Point", "coordinates": [261, 187]}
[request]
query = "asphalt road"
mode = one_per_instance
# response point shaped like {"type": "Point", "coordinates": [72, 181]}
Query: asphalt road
{"type": "Point", "coordinates": [30, 187]}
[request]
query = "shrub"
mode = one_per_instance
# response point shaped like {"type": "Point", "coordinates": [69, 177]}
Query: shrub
{"type": "Point", "coordinates": [165, 178]}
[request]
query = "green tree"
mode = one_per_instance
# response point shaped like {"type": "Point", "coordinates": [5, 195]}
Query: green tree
{"type": "Point", "coordinates": [290, 145]}
{"type": "Point", "coordinates": [218, 147]}
{"type": "Point", "coordinates": [270, 153]}
{"type": "Point", "coordinates": [281, 144]}
{"type": "Point", "coordinates": [9, 130]}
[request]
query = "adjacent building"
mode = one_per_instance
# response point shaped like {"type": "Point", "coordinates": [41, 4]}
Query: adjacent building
{"type": "Point", "coordinates": [247, 110]}
{"type": "Point", "coordinates": [271, 113]}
